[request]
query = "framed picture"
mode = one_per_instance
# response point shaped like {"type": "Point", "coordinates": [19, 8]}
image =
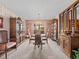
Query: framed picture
{"type": "Point", "coordinates": [1, 22]}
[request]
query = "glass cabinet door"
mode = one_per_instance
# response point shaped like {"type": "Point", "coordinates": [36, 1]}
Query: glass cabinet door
{"type": "Point", "coordinates": [65, 21]}
{"type": "Point", "coordinates": [77, 16]}
{"type": "Point", "coordinates": [62, 22]}
{"type": "Point", "coordinates": [70, 20]}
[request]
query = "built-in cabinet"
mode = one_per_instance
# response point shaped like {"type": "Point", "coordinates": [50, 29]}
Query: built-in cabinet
{"type": "Point", "coordinates": [15, 30]}
{"type": "Point", "coordinates": [69, 29]}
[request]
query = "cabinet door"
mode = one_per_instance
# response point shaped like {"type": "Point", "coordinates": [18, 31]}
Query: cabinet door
{"type": "Point", "coordinates": [67, 47]}
{"type": "Point", "coordinates": [65, 43]}
{"type": "Point", "coordinates": [77, 16]}
{"type": "Point", "coordinates": [13, 29]}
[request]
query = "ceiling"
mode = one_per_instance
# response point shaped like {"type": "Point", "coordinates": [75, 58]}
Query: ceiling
{"type": "Point", "coordinates": [37, 9]}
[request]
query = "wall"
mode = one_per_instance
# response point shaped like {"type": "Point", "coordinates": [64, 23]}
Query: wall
{"type": "Point", "coordinates": [47, 26]}
{"type": "Point", "coordinates": [6, 24]}
{"type": "Point", "coordinates": [6, 14]}
{"type": "Point", "coordinates": [35, 9]}
{"type": "Point", "coordinates": [4, 11]}
{"type": "Point", "coordinates": [30, 24]}
{"type": "Point", "coordinates": [24, 25]}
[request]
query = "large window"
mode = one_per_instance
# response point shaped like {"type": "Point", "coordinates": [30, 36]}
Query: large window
{"type": "Point", "coordinates": [38, 28]}
{"type": "Point", "coordinates": [62, 22]}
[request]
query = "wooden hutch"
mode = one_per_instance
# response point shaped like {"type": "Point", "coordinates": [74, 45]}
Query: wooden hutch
{"type": "Point", "coordinates": [16, 30]}
{"type": "Point", "coordinates": [69, 29]}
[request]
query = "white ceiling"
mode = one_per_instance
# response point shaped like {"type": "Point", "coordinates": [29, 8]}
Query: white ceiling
{"type": "Point", "coordinates": [37, 9]}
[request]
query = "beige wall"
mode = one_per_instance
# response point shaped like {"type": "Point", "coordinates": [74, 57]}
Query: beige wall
{"type": "Point", "coordinates": [6, 24]}
{"type": "Point", "coordinates": [47, 26]}
{"type": "Point", "coordinates": [30, 24]}
{"type": "Point", "coordinates": [6, 14]}
{"type": "Point", "coordinates": [24, 25]}
{"type": "Point", "coordinates": [4, 11]}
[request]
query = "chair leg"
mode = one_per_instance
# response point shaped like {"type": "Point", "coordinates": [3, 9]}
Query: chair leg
{"type": "Point", "coordinates": [38, 46]}
{"type": "Point", "coordinates": [47, 41]}
{"type": "Point", "coordinates": [5, 51]}
{"type": "Point", "coordinates": [29, 41]}
{"type": "Point", "coordinates": [34, 46]}
{"type": "Point", "coordinates": [41, 46]}
{"type": "Point", "coordinates": [6, 55]}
